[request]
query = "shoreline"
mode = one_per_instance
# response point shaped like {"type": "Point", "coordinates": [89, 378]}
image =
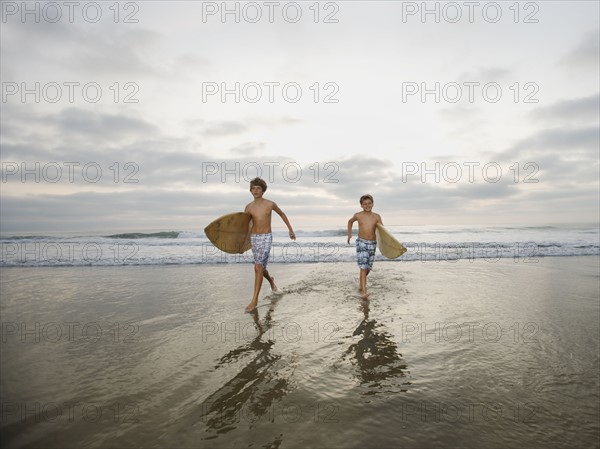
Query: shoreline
{"type": "Point", "coordinates": [523, 260]}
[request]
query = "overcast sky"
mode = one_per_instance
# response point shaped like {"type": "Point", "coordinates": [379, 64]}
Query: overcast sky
{"type": "Point", "coordinates": [154, 115]}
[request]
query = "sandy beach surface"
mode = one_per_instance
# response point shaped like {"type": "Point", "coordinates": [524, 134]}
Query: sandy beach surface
{"type": "Point", "coordinates": [471, 353]}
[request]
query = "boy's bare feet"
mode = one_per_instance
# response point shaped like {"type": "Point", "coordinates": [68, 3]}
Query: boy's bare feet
{"type": "Point", "coordinates": [250, 307]}
{"type": "Point", "coordinates": [364, 294]}
{"type": "Point", "coordinates": [271, 280]}
{"type": "Point", "coordinates": [273, 286]}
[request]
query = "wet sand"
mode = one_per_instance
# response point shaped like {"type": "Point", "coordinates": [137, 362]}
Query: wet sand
{"type": "Point", "coordinates": [466, 353]}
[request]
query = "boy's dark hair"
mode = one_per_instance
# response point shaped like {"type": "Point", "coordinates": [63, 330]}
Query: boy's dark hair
{"type": "Point", "coordinates": [366, 197]}
{"type": "Point", "coordinates": [259, 182]}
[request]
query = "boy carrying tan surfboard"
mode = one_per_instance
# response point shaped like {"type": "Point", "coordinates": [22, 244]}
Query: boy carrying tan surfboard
{"type": "Point", "coordinates": [366, 242]}
{"type": "Point", "coordinates": [261, 236]}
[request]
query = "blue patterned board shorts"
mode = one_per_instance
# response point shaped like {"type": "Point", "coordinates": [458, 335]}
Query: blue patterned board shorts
{"type": "Point", "coordinates": [261, 248]}
{"type": "Point", "coordinates": [365, 253]}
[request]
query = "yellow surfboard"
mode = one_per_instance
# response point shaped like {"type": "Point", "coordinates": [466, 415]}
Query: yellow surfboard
{"type": "Point", "coordinates": [229, 233]}
{"type": "Point", "coordinates": [387, 243]}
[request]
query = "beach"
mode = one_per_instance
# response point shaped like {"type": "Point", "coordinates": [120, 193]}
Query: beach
{"type": "Point", "coordinates": [454, 353]}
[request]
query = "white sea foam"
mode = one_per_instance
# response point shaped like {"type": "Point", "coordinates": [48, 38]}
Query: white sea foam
{"type": "Point", "coordinates": [424, 243]}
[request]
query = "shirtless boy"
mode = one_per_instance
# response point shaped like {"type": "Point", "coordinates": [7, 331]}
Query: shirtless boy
{"type": "Point", "coordinates": [260, 235]}
{"type": "Point", "coordinates": [366, 241]}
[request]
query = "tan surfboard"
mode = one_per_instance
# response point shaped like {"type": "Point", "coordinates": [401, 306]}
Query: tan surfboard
{"type": "Point", "coordinates": [229, 233]}
{"type": "Point", "coordinates": [387, 243]}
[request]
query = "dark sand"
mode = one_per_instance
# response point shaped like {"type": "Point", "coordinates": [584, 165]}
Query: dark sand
{"type": "Point", "coordinates": [470, 354]}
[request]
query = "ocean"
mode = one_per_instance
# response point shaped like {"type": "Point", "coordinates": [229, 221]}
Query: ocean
{"type": "Point", "coordinates": [424, 243]}
{"type": "Point", "coordinates": [494, 348]}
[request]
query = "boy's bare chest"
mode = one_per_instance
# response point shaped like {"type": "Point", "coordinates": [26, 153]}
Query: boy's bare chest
{"type": "Point", "coordinates": [367, 220]}
{"type": "Point", "coordinates": [260, 210]}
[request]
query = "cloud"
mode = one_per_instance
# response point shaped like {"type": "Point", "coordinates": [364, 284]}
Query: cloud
{"type": "Point", "coordinates": [580, 110]}
{"type": "Point", "coordinates": [93, 50]}
{"type": "Point", "coordinates": [586, 55]}
{"type": "Point", "coordinates": [563, 142]}
{"type": "Point", "coordinates": [164, 202]}
{"type": "Point", "coordinates": [274, 122]}
{"type": "Point", "coordinates": [97, 125]}
{"type": "Point", "coordinates": [224, 128]}
{"type": "Point", "coordinates": [178, 180]}
{"type": "Point", "coordinates": [485, 75]}
{"type": "Point", "coordinates": [124, 210]}
{"type": "Point", "coordinates": [249, 148]}
{"type": "Point", "coordinates": [193, 160]}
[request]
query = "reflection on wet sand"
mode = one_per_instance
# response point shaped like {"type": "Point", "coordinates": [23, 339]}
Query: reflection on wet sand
{"type": "Point", "coordinates": [249, 395]}
{"type": "Point", "coordinates": [376, 356]}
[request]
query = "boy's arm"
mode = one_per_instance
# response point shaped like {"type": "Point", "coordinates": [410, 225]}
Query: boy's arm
{"type": "Point", "coordinates": [285, 220]}
{"type": "Point", "coordinates": [251, 222]}
{"type": "Point", "coordinates": [350, 223]}
{"type": "Point", "coordinates": [379, 220]}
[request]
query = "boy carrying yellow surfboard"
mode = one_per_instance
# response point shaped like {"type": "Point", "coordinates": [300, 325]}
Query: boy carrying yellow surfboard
{"type": "Point", "coordinates": [366, 242]}
{"type": "Point", "coordinates": [260, 235]}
